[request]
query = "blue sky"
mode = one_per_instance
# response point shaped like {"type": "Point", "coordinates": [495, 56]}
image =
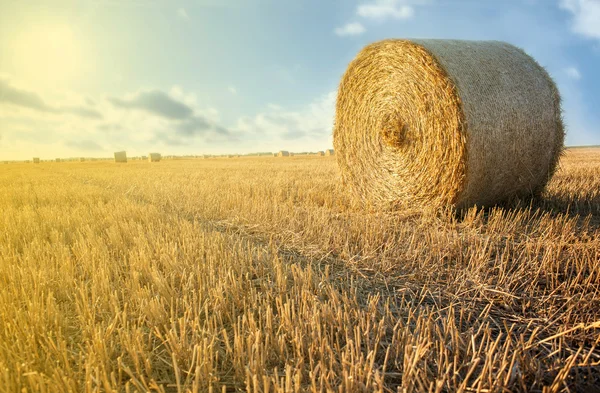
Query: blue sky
{"type": "Point", "coordinates": [85, 78]}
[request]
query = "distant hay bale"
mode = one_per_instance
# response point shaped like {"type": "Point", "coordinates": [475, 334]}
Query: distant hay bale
{"type": "Point", "coordinates": [329, 152]}
{"type": "Point", "coordinates": [36, 160]}
{"type": "Point", "coordinates": [58, 160]}
{"type": "Point", "coordinates": [283, 153]}
{"type": "Point", "coordinates": [154, 157]}
{"type": "Point", "coordinates": [120, 156]}
{"type": "Point", "coordinates": [81, 159]}
{"type": "Point", "coordinates": [446, 123]}
{"type": "Point", "coordinates": [320, 153]}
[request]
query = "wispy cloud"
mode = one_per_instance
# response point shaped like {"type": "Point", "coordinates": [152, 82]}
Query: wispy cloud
{"type": "Point", "coordinates": [349, 29]}
{"type": "Point", "coordinates": [86, 145]}
{"type": "Point", "coordinates": [199, 125]}
{"type": "Point", "coordinates": [182, 13]}
{"type": "Point", "coordinates": [379, 10]}
{"type": "Point", "coordinates": [586, 16]}
{"type": "Point", "coordinates": [13, 95]}
{"type": "Point", "coordinates": [573, 73]}
{"type": "Point", "coordinates": [83, 112]}
{"type": "Point", "coordinates": [313, 121]}
{"type": "Point", "coordinates": [177, 117]}
{"type": "Point", "coordinates": [382, 9]}
{"type": "Point", "coordinates": [21, 97]}
{"type": "Point", "coordinates": [156, 102]}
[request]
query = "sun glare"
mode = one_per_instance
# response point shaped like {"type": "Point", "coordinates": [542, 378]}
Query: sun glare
{"type": "Point", "coordinates": [48, 55]}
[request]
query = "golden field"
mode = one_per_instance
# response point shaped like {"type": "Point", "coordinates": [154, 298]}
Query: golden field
{"type": "Point", "coordinates": [260, 274]}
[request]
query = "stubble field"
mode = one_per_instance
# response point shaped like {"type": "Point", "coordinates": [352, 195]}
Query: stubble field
{"type": "Point", "coordinates": [261, 275]}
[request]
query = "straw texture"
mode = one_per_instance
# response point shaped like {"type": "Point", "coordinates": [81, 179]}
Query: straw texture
{"type": "Point", "coordinates": [446, 122]}
{"type": "Point", "coordinates": [120, 156]}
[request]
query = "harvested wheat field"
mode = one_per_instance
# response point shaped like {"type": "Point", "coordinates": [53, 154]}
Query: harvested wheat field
{"type": "Point", "coordinates": [262, 275]}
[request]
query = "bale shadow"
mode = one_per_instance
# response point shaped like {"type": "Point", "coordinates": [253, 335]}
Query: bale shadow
{"type": "Point", "coordinates": [586, 211]}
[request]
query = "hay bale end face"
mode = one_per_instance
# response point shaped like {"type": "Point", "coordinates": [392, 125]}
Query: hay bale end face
{"type": "Point", "coordinates": [446, 123]}
{"type": "Point", "coordinates": [154, 157]}
{"type": "Point", "coordinates": [283, 153]}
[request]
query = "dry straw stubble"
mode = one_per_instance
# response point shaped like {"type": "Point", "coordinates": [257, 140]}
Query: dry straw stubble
{"type": "Point", "coordinates": [446, 122]}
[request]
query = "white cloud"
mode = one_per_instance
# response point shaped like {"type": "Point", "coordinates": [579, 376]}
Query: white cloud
{"type": "Point", "coordinates": [354, 28]}
{"type": "Point", "coordinates": [277, 127]}
{"type": "Point", "coordinates": [274, 107]}
{"type": "Point", "coordinates": [232, 90]}
{"type": "Point", "coordinates": [146, 119]}
{"type": "Point", "coordinates": [182, 13]}
{"type": "Point", "coordinates": [573, 73]}
{"type": "Point", "coordinates": [586, 16]}
{"type": "Point", "coordinates": [382, 9]}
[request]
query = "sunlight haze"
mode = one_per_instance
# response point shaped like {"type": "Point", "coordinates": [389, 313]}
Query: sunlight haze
{"type": "Point", "coordinates": [86, 78]}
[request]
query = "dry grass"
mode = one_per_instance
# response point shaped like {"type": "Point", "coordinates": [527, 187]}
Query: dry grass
{"type": "Point", "coordinates": [259, 275]}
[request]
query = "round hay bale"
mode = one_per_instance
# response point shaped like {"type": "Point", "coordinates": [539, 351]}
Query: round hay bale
{"type": "Point", "coordinates": [120, 156]}
{"type": "Point", "coordinates": [446, 123]}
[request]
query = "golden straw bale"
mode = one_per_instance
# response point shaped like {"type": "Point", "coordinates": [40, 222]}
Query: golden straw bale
{"type": "Point", "coordinates": [446, 123]}
{"type": "Point", "coordinates": [120, 156]}
{"type": "Point", "coordinates": [154, 157]}
{"type": "Point", "coordinates": [329, 152]}
{"type": "Point", "coordinates": [283, 153]}
{"type": "Point", "coordinates": [36, 160]}
{"type": "Point", "coordinates": [320, 153]}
